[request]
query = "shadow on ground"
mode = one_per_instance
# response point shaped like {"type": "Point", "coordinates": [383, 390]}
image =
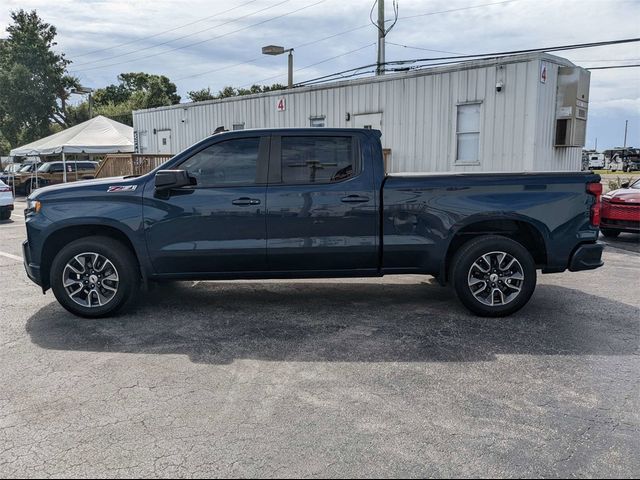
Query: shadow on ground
{"type": "Point", "coordinates": [625, 241]}
{"type": "Point", "coordinates": [348, 322]}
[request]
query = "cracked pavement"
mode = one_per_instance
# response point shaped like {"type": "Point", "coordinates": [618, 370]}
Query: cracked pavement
{"type": "Point", "coordinates": [382, 377]}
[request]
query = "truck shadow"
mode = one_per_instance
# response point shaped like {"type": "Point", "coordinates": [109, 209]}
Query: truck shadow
{"type": "Point", "coordinates": [218, 323]}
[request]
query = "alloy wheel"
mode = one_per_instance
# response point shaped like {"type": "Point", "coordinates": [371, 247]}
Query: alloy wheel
{"type": "Point", "coordinates": [90, 279]}
{"type": "Point", "coordinates": [496, 278]}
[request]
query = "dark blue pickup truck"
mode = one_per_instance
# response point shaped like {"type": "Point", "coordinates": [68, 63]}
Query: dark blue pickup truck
{"type": "Point", "coordinates": [297, 203]}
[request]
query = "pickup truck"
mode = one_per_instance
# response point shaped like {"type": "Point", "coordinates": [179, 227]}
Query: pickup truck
{"type": "Point", "coordinates": [299, 203]}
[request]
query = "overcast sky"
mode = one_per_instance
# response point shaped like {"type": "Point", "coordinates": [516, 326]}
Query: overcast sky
{"type": "Point", "coordinates": [205, 43]}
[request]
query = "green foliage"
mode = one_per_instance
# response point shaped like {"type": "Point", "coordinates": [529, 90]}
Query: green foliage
{"type": "Point", "coordinates": [227, 92]}
{"type": "Point", "coordinates": [618, 181]}
{"type": "Point", "coordinates": [201, 95]}
{"type": "Point", "coordinates": [76, 114]}
{"type": "Point", "coordinates": [120, 112]}
{"type": "Point", "coordinates": [137, 90]}
{"type": "Point", "coordinates": [32, 78]}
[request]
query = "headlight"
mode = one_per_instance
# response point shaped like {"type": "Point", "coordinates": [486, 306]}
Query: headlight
{"type": "Point", "coordinates": [33, 206]}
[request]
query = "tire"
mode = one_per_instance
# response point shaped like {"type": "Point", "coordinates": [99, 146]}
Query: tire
{"type": "Point", "coordinates": [474, 284]}
{"type": "Point", "coordinates": [610, 233]}
{"type": "Point", "coordinates": [5, 214]}
{"type": "Point", "coordinates": [117, 268]}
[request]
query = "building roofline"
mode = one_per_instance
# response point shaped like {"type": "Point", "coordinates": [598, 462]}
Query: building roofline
{"type": "Point", "coordinates": [427, 70]}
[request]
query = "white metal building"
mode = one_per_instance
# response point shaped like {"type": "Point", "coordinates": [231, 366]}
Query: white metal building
{"type": "Point", "coordinates": [515, 113]}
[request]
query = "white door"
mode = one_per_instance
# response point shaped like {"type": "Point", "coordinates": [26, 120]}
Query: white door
{"type": "Point", "coordinates": [164, 141]}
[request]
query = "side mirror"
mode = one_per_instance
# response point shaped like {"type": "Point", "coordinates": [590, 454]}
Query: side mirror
{"type": "Point", "coordinates": [624, 185]}
{"type": "Point", "coordinates": [169, 179]}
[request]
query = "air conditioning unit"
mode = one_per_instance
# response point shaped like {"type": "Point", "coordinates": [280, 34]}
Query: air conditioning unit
{"type": "Point", "coordinates": [572, 106]}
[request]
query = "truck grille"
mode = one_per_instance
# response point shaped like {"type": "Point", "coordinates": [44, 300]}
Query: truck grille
{"type": "Point", "coordinates": [620, 211]}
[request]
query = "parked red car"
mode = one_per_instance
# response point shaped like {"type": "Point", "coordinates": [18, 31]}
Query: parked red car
{"type": "Point", "coordinates": [621, 210]}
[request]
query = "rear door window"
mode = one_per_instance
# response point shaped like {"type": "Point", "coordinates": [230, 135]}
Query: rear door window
{"type": "Point", "coordinates": [317, 159]}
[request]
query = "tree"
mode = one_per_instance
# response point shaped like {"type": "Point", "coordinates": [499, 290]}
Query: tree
{"type": "Point", "coordinates": [32, 78]}
{"type": "Point", "coordinates": [201, 95]}
{"type": "Point", "coordinates": [226, 92]}
{"type": "Point", "coordinates": [139, 90]}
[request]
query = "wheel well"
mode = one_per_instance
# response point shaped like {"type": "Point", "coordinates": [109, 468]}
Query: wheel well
{"type": "Point", "coordinates": [522, 232]}
{"type": "Point", "coordinates": [62, 237]}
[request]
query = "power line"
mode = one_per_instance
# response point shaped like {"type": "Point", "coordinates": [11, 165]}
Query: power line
{"type": "Point", "coordinates": [182, 37]}
{"type": "Point", "coordinates": [311, 65]}
{"type": "Point", "coordinates": [344, 32]}
{"type": "Point", "coordinates": [459, 9]}
{"type": "Point", "coordinates": [203, 41]}
{"type": "Point", "coordinates": [614, 66]}
{"type": "Point", "coordinates": [164, 31]}
{"type": "Point", "coordinates": [425, 49]}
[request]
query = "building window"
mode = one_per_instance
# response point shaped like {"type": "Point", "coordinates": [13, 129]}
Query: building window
{"type": "Point", "coordinates": [468, 133]}
{"type": "Point", "coordinates": [238, 126]}
{"type": "Point", "coordinates": [317, 122]}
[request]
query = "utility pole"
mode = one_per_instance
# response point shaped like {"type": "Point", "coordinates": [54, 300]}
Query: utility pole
{"type": "Point", "coordinates": [626, 124]}
{"type": "Point", "coordinates": [382, 32]}
{"type": "Point", "coordinates": [596, 148]}
{"type": "Point", "coordinates": [381, 35]}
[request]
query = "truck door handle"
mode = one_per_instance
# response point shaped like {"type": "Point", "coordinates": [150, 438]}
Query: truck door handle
{"type": "Point", "coordinates": [354, 199]}
{"type": "Point", "coordinates": [245, 201]}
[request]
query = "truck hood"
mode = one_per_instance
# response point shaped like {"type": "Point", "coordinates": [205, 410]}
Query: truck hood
{"type": "Point", "coordinates": [92, 185]}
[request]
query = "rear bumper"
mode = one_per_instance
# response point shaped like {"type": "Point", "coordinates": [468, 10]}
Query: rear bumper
{"type": "Point", "coordinates": [586, 257]}
{"type": "Point", "coordinates": [33, 270]}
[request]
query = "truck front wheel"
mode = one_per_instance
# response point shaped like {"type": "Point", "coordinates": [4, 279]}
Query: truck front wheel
{"type": "Point", "coordinates": [493, 276]}
{"type": "Point", "coordinates": [95, 277]}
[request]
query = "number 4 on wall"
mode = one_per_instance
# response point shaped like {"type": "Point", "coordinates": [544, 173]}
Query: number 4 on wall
{"type": "Point", "coordinates": [282, 105]}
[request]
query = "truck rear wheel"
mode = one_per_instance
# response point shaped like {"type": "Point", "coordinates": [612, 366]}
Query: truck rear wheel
{"type": "Point", "coordinates": [493, 276]}
{"type": "Point", "coordinates": [95, 277]}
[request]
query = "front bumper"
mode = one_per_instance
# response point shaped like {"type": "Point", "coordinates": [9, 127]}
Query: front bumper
{"type": "Point", "coordinates": [33, 270]}
{"type": "Point", "coordinates": [586, 257]}
{"type": "Point", "coordinates": [621, 225]}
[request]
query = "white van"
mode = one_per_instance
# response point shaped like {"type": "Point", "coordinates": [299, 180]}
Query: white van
{"type": "Point", "coordinates": [596, 161]}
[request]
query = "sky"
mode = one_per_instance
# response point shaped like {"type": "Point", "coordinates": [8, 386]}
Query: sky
{"type": "Point", "coordinates": [207, 43]}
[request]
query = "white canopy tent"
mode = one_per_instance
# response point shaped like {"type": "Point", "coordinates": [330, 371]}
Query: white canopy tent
{"type": "Point", "coordinates": [97, 135]}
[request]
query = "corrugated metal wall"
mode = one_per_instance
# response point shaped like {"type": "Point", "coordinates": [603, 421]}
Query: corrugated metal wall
{"type": "Point", "coordinates": [418, 115]}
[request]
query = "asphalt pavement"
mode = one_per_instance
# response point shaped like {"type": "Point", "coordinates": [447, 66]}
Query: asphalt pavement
{"type": "Point", "coordinates": [382, 377]}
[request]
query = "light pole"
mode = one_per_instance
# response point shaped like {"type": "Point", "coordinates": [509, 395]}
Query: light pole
{"type": "Point", "coordinates": [276, 50]}
{"type": "Point", "coordinates": [84, 91]}
{"type": "Point", "coordinates": [80, 91]}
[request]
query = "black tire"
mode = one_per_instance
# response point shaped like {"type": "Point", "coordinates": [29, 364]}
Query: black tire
{"type": "Point", "coordinates": [464, 271]}
{"type": "Point", "coordinates": [5, 214]}
{"type": "Point", "coordinates": [121, 258]}
{"type": "Point", "coordinates": [610, 233]}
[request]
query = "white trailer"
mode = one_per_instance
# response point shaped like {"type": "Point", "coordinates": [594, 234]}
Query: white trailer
{"type": "Point", "coordinates": [515, 113]}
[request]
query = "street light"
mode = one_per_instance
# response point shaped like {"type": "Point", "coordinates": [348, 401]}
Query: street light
{"type": "Point", "coordinates": [80, 91]}
{"type": "Point", "coordinates": [277, 50]}
{"type": "Point", "coordinates": [84, 91]}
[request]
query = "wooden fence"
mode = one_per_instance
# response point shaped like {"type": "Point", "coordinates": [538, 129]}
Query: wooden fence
{"type": "Point", "coordinates": [121, 164]}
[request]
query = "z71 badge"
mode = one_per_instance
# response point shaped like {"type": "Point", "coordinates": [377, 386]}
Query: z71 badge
{"type": "Point", "coordinates": [121, 188]}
